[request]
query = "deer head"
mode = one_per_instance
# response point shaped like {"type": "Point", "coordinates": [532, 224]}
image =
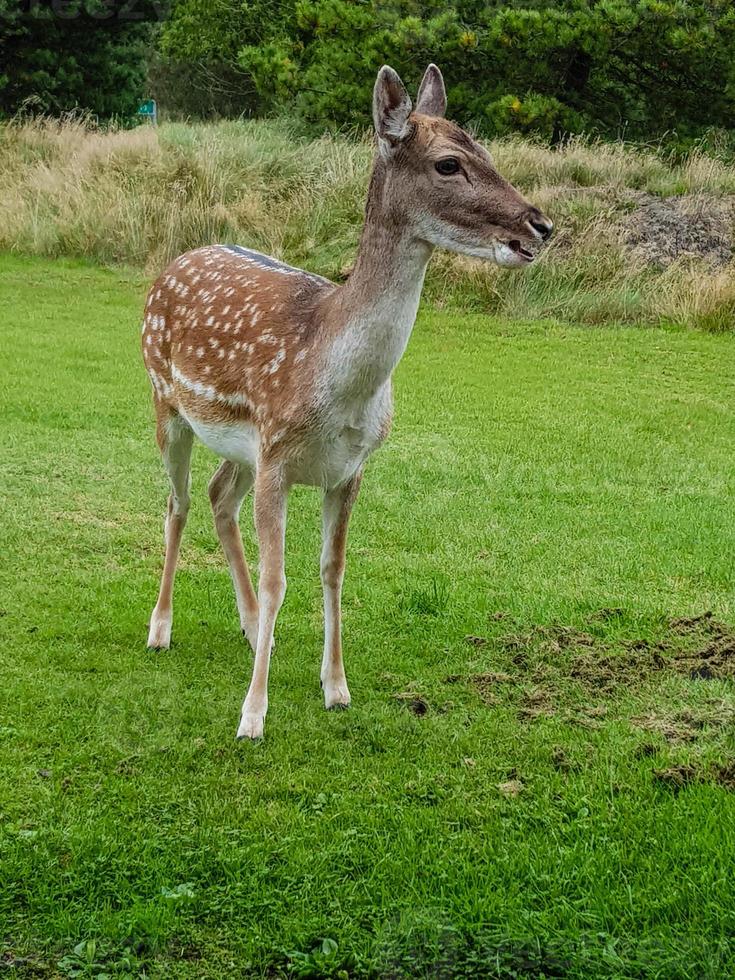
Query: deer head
{"type": "Point", "coordinates": [441, 183]}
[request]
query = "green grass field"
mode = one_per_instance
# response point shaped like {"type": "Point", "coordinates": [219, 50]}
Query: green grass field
{"type": "Point", "coordinates": [536, 776]}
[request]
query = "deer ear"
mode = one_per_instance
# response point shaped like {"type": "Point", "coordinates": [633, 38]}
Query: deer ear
{"type": "Point", "coordinates": [432, 97]}
{"type": "Point", "coordinates": [391, 106]}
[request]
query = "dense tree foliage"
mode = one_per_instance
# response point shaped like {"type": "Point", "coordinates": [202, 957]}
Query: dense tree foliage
{"type": "Point", "coordinates": [88, 54]}
{"type": "Point", "coordinates": [635, 68]}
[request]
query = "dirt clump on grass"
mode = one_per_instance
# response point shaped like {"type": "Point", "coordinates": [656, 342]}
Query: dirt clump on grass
{"type": "Point", "coordinates": [542, 660]}
{"type": "Point", "coordinates": [594, 662]}
{"type": "Point", "coordinates": [713, 655]}
{"type": "Point", "coordinates": [606, 671]}
{"type": "Point", "coordinates": [486, 685]}
{"type": "Point", "coordinates": [588, 716]}
{"type": "Point", "coordinates": [555, 637]}
{"type": "Point", "coordinates": [725, 775]}
{"type": "Point", "coordinates": [700, 647]}
{"type": "Point", "coordinates": [677, 777]}
{"type": "Point", "coordinates": [537, 703]}
{"type": "Point", "coordinates": [673, 730]}
{"type": "Point", "coordinates": [561, 761]}
{"type": "Point", "coordinates": [415, 703]}
{"type": "Point", "coordinates": [689, 624]}
{"type": "Point", "coordinates": [511, 788]}
{"type": "Point", "coordinates": [687, 725]}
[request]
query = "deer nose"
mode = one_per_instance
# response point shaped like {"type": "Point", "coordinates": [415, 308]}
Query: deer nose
{"type": "Point", "coordinates": [540, 224]}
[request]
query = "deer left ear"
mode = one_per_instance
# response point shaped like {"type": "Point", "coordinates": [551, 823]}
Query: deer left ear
{"type": "Point", "coordinates": [391, 107]}
{"type": "Point", "coordinates": [432, 97]}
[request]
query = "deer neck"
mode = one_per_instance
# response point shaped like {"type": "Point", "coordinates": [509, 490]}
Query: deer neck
{"type": "Point", "coordinates": [375, 310]}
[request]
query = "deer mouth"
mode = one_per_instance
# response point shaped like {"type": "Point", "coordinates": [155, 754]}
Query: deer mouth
{"type": "Point", "coordinates": [520, 251]}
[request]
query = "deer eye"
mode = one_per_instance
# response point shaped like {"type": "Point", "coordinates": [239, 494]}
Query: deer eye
{"type": "Point", "coordinates": [447, 166]}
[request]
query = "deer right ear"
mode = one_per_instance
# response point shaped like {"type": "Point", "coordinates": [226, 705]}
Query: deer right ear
{"type": "Point", "coordinates": [432, 97]}
{"type": "Point", "coordinates": [391, 107]}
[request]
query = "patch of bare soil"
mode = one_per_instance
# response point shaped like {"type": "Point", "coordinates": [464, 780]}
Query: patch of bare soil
{"type": "Point", "coordinates": [554, 637]}
{"type": "Point", "coordinates": [689, 624]}
{"type": "Point", "coordinates": [659, 230]}
{"type": "Point", "coordinates": [593, 662]}
{"type": "Point", "coordinates": [681, 728]}
{"type": "Point", "coordinates": [544, 658]}
{"type": "Point", "coordinates": [511, 788]}
{"type": "Point", "coordinates": [416, 704]}
{"type": "Point", "coordinates": [662, 230]}
{"type": "Point", "coordinates": [537, 703]}
{"type": "Point", "coordinates": [713, 656]}
{"type": "Point", "coordinates": [725, 775]}
{"type": "Point", "coordinates": [677, 777]}
{"type": "Point", "coordinates": [485, 684]}
{"type": "Point", "coordinates": [24, 966]}
{"type": "Point", "coordinates": [561, 761]}
{"type": "Point", "coordinates": [698, 646]}
{"type": "Point", "coordinates": [602, 671]}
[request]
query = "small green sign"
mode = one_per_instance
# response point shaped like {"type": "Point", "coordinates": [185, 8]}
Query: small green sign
{"type": "Point", "coordinates": [148, 108]}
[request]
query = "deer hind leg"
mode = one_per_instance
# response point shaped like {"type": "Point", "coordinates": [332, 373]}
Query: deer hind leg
{"type": "Point", "coordinates": [175, 440]}
{"type": "Point", "coordinates": [227, 490]}
{"type": "Point", "coordinates": [336, 511]}
{"type": "Point", "coordinates": [270, 524]}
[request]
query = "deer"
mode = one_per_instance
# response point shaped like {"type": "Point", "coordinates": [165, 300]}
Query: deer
{"type": "Point", "coordinates": [286, 375]}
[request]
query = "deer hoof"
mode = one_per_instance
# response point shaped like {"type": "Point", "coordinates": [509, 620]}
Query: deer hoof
{"type": "Point", "coordinates": [337, 697]}
{"type": "Point", "coordinates": [159, 634]}
{"type": "Point", "coordinates": [251, 727]}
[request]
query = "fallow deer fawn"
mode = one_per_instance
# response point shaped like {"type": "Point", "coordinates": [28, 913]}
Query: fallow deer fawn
{"type": "Point", "coordinates": [287, 376]}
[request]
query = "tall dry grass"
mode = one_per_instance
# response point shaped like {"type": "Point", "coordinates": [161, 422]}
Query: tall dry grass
{"type": "Point", "coordinates": [142, 197]}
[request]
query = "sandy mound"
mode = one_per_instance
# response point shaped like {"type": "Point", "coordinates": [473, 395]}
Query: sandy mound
{"type": "Point", "coordinates": [662, 230]}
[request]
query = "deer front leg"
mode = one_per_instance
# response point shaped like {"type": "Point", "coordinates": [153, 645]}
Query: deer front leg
{"type": "Point", "coordinates": [270, 525]}
{"type": "Point", "coordinates": [336, 511]}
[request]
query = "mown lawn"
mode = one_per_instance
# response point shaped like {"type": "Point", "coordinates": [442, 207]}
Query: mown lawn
{"type": "Point", "coordinates": [536, 776]}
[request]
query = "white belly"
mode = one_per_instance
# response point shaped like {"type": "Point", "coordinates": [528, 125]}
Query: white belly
{"type": "Point", "coordinates": [237, 442]}
{"type": "Point", "coordinates": [327, 458]}
{"type": "Point", "coordinates": [332, 460]}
